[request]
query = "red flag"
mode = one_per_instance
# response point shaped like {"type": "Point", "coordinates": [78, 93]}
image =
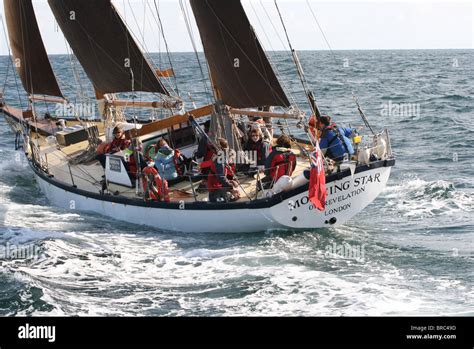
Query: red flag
{"type": "Point", "coordinates": [317, 180]}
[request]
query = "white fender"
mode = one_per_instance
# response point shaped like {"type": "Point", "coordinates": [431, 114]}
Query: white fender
{"type": "Point", "coordinates": [380, 147]}
{"type": "Point", "coordinates": [284, 183]}
{"type": "Point", "coordinates": [300, 180]}
{"type": "Point", "coordinates": [363, 156]}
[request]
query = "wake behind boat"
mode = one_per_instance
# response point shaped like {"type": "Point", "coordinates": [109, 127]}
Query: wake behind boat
{"type": "Point", "coordinates": [75, 170]}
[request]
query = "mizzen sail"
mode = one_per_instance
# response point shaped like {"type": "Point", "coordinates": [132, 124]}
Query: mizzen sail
{"type": "Point", "coordinates": [29, 55]}
{"type": "Point", "coordinates": [239, 67]}
{"type": "Point", "coordinates": [105, 48]}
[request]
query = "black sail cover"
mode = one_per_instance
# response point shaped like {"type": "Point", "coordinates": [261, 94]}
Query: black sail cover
{"type": "Point", "coordinates": [104, 46]}
{"type": "Point", "coordinates": [29, 55]}
{"type": "Point", "coordinates": [238, 65]}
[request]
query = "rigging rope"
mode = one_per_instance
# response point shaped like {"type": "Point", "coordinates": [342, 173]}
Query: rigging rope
{"type": "Point", "coordinates": [141, 68]}
{"type": "Point", "coordinates": [166, 44]}
{"type": "Point", "coordinates": [80, 93]}
{"type": "Point", "coordinates": [11, 63]}
{"type": "Point", "coordinates": [275, 67]}
{"type": "Point", "coordinates": [354, 97]}
{"type": "Point", "coordinates": [6, 75]}
{"type": "Point", "coordinates": [31, 102]}
{"type": "Point", "coordinates": [299, 68]}
{"type": "Point", "coordinates": [166, 80]}
{"type": "Point", "coordinates": [237, 43]}
{"type": "Point", "coordinates": [146, 51]}
{"type": "Point", "coordinates": [184, 10]}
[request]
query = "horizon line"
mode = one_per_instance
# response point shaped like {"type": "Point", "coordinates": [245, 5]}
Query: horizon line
{"type": "Point", "coordinates": [306, 50]}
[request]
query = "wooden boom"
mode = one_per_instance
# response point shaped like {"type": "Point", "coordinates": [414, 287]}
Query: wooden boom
{"type": "Point", "coordinates": [170, 121]}
{"type": "Point", "coordinates": [262, 113]}
{"type": "Point", "coordinates": [143, 104]}
{"type": "Point", "coordinates": [48, 99]}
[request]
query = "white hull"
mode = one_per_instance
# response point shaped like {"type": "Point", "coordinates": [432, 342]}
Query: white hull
{"type": "Point", "coordinates": [346, 198]}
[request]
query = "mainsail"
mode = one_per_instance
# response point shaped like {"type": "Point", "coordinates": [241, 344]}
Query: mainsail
{"type": "Point", "coordinates": [239, 67]}
{"type": "Point", "coordinates": [29, 54]}
{"type": "Point", "coordinates": [105, 48]}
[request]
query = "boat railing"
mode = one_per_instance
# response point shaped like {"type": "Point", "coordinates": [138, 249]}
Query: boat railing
{"type": "Point", "coordinates": [260, 184]}
{"type": "Point", "coordinates": [376, 148]}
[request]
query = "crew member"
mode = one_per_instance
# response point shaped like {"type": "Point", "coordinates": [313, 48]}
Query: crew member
{"type": "Point", "coordinates": [119, 143]}
{"type": "Point", "coordinates": [165, 161]}
{"type": "Point", "coordinates": [130, 160]}
{"type": "Point", "coordinates": [256, 146]}
{"type": "Point", "coordinates": [280, 162]}
{"type": "Point", "coordinates": [221, 182]}
{"type": "Point", "coordinates": [334, 141]}
{"type": "Point", "coordinates": [205, 151]}
{"type": "Point", "coordinates": [205, 148]}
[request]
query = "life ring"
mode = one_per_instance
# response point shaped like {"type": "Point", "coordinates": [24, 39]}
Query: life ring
{"type": "Point", "coordinates": [154, 186]}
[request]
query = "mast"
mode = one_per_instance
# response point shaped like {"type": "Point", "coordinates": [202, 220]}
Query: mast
{"type": "Point", "coordinates": [29, 54]}
{"type": "Point", "coordinates": [309, 94]}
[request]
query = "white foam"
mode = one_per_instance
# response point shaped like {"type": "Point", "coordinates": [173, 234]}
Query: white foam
{"type": "Point", "coordinates": [415, 197]}
{"type": "Point", "coordinates": [128, 274]}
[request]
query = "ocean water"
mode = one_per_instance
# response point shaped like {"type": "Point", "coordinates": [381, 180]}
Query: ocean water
{"type": "Point", "coordinates": [411, 252]}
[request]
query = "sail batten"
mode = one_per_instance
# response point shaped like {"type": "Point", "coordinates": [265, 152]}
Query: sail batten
{"type": "Point", "coordinates": [29, 54]}
{"type": "Point", "coordinates": [104, 46]}
{"type": "Point", "coordinates": [239, 68]}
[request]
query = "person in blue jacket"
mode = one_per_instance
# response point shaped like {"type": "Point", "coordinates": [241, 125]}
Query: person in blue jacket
{"type": "Point", "coordinates": [165, 161]}
{"type": "Point", "coordinates": [335, 141]}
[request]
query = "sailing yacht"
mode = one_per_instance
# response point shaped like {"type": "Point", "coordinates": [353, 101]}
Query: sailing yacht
{"type": "Point", "coordinates": [62, 154]}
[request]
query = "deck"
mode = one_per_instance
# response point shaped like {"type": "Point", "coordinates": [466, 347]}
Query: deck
{"type": "Point", "coordinates": [90, 176]}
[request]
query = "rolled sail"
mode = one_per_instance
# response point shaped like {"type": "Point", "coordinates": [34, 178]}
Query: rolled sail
{"type": "Point", "coordinates": [29, 55]}
{"type": "Point", "coordinates": [105, 48]}
{"type": "Point", "coordinates": [239, 67]}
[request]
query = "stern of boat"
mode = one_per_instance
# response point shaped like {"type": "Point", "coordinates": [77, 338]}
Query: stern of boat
{"type": "Point", "coordinates": [346, 197]}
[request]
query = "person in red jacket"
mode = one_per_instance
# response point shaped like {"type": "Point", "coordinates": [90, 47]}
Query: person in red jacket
{"type": "Point", "coordinates": [221, 182]}
{"type": "Point", "coordinates": [205, 151]}
{"type": "Point", "coordinates": [120, 142]}
{"type": "Point", "coordinates": [280, 162]}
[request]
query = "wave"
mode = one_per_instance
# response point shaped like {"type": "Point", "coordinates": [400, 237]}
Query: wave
{"type": "Point", "coordinates": [415, 197]}
{"type": "Point", "coordinates": [15, 165]}
{"type": "Point", "coordinates": [275, 275]}
{"type": "Point", "coordinates": [448, 97]}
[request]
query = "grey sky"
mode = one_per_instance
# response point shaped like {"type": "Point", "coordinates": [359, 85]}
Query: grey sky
{"type": "Point", "coordinates": [347, 25]}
